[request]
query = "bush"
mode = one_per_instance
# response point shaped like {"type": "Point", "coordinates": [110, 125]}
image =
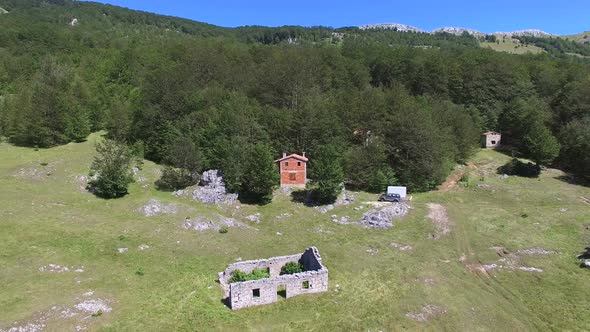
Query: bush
{"type": "Point", "coordinates": [256, 274]}
{"type": "Point", "coordinates": [176, 178]}
{"type": "Point", "coordinates": [518, 168]}
{"type": "Point", "coordinates": [112, 166]}
{"type": "Point", "coordinates": [223, 229]}
{"type": "Point", "coordinates": [292, 268]}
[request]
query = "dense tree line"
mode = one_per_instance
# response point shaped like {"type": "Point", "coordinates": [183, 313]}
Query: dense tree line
{"type": "Point", "coordinates": [371, 107]}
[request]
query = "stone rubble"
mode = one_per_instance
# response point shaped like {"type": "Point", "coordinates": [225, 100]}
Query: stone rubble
{"type": "Point", "coordinates": [383, 218]}
{"type": "Point", "coordinates": [155, 207]}
{"type": "Point", "coordinates": [56, 268]}
{"type": "Point", "coordinates": [201, 224]}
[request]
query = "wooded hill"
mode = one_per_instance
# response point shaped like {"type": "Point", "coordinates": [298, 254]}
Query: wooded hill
{"type": "Point", "coordinates": [384, 105]}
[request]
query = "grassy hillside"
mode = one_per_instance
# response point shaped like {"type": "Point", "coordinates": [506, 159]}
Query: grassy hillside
{"type": "Point", "coordinates": [510, 45]}
{"type": "Point", "coordinates": [583, 37]}
{"type": "Point", "coordinates": [47, 219]}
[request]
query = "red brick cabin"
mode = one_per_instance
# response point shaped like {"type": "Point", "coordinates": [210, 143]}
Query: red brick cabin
{"type": "Point", "coordinates": [293, 170]}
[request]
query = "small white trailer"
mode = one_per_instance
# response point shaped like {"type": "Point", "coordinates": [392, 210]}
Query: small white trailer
{"type": "Point", "coordinates": [401, 191]}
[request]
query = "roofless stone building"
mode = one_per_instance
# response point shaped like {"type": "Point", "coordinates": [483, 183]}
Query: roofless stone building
{"type": "Point", "coordinates": [314, 279]}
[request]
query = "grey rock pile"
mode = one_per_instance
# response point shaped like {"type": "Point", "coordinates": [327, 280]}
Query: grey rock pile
{"type": "Point", "coordinates": [383, 218]}
{"type": "Point", "coordinates": [212, 189]}
{"type": "Point", "coordinates": [155, 207]}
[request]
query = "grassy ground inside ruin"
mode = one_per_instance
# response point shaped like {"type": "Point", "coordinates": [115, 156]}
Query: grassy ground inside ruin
{"type": "Point", "coordinates": [47, 219]}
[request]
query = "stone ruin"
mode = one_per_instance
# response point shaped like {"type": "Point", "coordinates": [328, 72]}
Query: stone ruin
{"type": "Point", "coordinates": [250, 293]}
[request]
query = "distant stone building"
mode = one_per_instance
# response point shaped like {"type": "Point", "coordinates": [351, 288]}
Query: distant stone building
{"type": "Point", "coordinates": [250, 293]}
{"type": "Point", "coordinates": [293, 170]}
{"type": "Point", "coordinates": [491, 139]}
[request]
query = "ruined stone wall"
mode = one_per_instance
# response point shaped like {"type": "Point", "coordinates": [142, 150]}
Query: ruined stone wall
{"type": "Point", "coordinates": [264, 291]}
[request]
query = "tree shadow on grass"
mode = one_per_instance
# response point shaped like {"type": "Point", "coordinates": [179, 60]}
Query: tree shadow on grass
{"type": "Point", "coordinates": [516, 167]}
{"type": "Point", "coordinates": [308, 197]}
{"type": "Point", "coordinates": [575, 180]}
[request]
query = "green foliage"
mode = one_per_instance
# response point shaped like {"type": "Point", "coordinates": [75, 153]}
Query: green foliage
{"type": "Point", "coordinates": [239, 276]}
{"type": "Point", "coordinates": [540, 144]}
{"type": "Point", "coordinates": [223, 229]}
{"type": "Point", "coordinates": [575, 144]}
{"type": "Point", "coordinates": [261, 175]}
{"type": "Point", "coordinates": [328, 173]}
{"type": "Point", "coordinates": [201, 97]}
{"type": "Point", "coordinates": [140, 271]}
{"type": "Point", "coordinates": [112, 168]}
{"type": "Point", "coordinates": [176, 178]}
{"type": "Point", "coordinates": [292, 268]}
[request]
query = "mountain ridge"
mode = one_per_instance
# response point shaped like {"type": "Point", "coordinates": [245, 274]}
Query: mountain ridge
{"type": "Point", "coordinates": [456, 30]}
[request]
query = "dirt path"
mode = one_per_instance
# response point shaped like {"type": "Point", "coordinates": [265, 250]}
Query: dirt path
{"type": "Point", "coordinates": [455, 177]}
{"type": "Point", "coordinates": [440, 219]}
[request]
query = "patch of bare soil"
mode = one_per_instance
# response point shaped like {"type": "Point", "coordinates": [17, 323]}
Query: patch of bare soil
{"type": "Point", "coordinates": [427, 313]}
{"type": "Point", "coordinates": [79, 316]}
{"type": "Point", "coordinates": [35, 172]}
{"type": "Point", "coordinates": [440, 219]}
{"type": "Point", "coordinates": [455, 177]}
{"type": "Point", "coordinates": [513, 260]}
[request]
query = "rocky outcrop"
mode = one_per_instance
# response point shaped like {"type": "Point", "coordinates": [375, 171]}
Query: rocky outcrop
{"type": "Point", "coordinates": [459, 31]}
{"type": "Point", "coordinates": [391, 26]}
{"type": "Point", "coordinates": [3, 11]}
{"type": "Point", "coordinates": [211, 190]}
{"type": "Point", "coordinates": [523, 33]}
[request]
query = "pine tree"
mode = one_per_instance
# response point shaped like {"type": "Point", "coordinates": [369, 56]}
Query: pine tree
{"type": "Point", "coordinates": [328, 173]}
{"type": "Point", "coordinates": [261, 176]}
{"type": "Point", "coordinates": [542, 147]}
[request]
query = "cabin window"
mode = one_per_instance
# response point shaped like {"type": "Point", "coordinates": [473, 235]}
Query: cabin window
{"type": "Point", "coordinates": [493, 142]}
{"type": "Point", "coordinates": [292, 176]}
{"type": "Point", "coordinates": [286, 164]}
{"type": "Point", "coordinates": [256, 293]}
{"type": "Point", "coordinates": [298, 163]}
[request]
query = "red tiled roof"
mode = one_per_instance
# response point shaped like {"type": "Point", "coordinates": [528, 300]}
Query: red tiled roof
{"type": "Point", "coordinates": [295, 156]}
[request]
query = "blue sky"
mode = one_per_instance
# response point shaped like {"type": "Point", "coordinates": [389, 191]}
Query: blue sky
{"type": "Point", "coordinates": [558, 17]}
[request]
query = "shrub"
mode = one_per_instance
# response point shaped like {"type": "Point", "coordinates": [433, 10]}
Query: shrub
{"type": "Point", "coordinates": [176, 178]}
{"type": "Point", "coordinates": [113, 168]}
{"type": "Point", "coordinates": [223, 229]}
{"type": "Point", "coordinates": [292, 268]}
{"type": "Point", "coordinates": [256, 274]}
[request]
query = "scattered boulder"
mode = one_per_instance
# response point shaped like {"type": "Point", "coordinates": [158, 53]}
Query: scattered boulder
{"type": "Point", "coordinates": [143, 247]}
{"type": "Point", "coordinates": [372, 251]}
{"type": "Point", "coordinates": [201, 224]}
{"type": "Point", "coordinates": [56, 268]}
{"type": "Point", "coordinates": [254, 218]}
{"type": "Point", "coordinates": [155, 207]}
{"type": "Point", "coordinates": [402, 247]}
{"type": "Point", "coordinates": [122, 250]}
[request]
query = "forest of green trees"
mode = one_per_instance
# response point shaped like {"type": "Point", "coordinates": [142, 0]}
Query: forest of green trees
{"type": "Point", "coordinates": [387, 106]}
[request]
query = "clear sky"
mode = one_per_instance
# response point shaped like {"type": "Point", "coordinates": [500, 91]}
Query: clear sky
{"type": "Point", "coordinates": [557, 17]}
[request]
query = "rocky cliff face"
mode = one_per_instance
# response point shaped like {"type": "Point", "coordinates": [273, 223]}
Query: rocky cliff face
{"type": "Point", "coordinates": [524, 33]}
{"type": "Point", "coordinates": [456, 31]}
{"type": "Point", "coordinates": [391, 26]}
{"type": "Point", "coordinates": [3, 11]}
{"type": "Point", "coordinates": [459, 31]}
